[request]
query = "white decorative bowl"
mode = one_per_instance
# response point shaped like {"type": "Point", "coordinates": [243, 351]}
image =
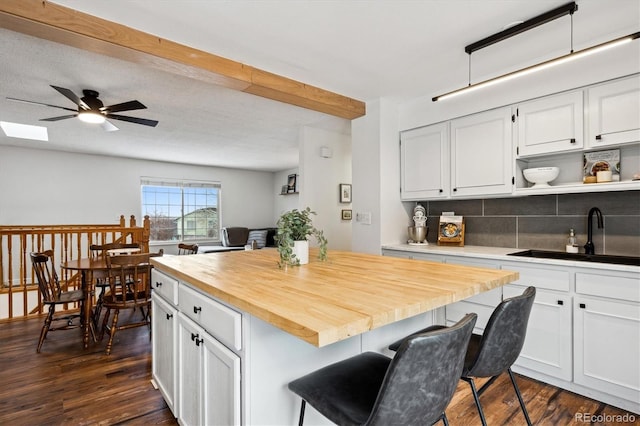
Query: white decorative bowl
{"type": "Point", "coordinates": [541, 176]}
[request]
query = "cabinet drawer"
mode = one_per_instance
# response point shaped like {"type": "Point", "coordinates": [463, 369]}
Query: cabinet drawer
{"type": "Point", "coordinates": [550, 279]}
{"type": "Point", "coordinates": [165, 286]}
{"type": "Point", "coordinates": [611, 286]}
{"type": "Point", "coordinates": [221, 322]}
{"type": "Point", "coordinates": [455, 311]}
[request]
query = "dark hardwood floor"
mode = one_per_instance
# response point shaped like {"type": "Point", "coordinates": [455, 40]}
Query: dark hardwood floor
{"type": "Point", "coordinates": [67, 385]}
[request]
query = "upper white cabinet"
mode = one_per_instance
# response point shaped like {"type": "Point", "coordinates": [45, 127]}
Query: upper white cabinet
{"type": "Point", "coordinates": [550, 124]}
{"type": "Point", "coordinates": [424, 160]}
{"type": "Point", "coordinates": [614, 113]}
{"type": "Point", "coordinates": [481, 154]}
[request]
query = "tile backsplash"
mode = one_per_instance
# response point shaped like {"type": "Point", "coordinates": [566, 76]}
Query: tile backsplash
{"type": "Point", "coordinates": [543, 222]}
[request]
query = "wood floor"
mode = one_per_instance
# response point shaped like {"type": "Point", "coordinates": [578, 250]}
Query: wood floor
{"type": "Point", "coordinates": [66, 385]}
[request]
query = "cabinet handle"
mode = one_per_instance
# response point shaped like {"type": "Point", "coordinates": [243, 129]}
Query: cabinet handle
{"type": "Point", "coordinates": [198, 341]}
{"type": "Point", "coordinates": [158, 283]}
{"type": "Point", "coordinates": [582, 306]}
{"type": "Point", "coordinates": [573, 140]}
{"type": "Point", "coordinates": [455, 189]}
{"type": "Point", "coordinates": [441, 191]}
{"type": "Point", "coordinates": [169, 316]}
{"type": "Point", "coordinates": [196, 309]}
{"type": "Point", "coordinates": [598, 137]}
{"type": "Point", "coordinates": [560, 302]}
{"type": "Point", "coordinates": [194, 336]}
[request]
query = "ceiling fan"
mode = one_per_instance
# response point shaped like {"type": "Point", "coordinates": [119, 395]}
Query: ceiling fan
{"type": "Point", "coordinates": [92, 110]}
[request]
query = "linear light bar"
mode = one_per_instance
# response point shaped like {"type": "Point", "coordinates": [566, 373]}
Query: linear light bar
{"type": "Point", "coordinates": [541, 66]}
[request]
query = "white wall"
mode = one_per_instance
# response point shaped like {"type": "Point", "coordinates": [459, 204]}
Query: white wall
{"type": "Point", "coordinates": [47, 187]}
{"type": "Point", "coordinates": [319, 182]}
{"type": "Point", "coordinates": [366, 148]}
{"type": "Point", "coordinates": [284, 203]}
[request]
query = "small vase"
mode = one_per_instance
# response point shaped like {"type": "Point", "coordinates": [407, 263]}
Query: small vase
{"type": "Point", "coordinates": [301, 250]}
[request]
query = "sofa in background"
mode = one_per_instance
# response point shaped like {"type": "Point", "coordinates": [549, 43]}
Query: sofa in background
{"type": "Point", "coordinates": [236, 237]}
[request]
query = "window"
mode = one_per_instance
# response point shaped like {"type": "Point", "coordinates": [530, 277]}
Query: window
{"type": "Point", "coordinates": [181, 210]}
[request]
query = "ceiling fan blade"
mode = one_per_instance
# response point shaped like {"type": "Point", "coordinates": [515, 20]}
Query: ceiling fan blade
{"type": "Point", "coordinates": [71, 96]}
{"type": "Point", "coordinates": [62, 117]}
{"type": "Point", "coordinates": [108, 126]}
{"type": "Point", "coordinates": [40, 103]}
{"type": "Point", "coordinates": [124, 106]}
{"type": "Point", "coordinates": [144, 121]}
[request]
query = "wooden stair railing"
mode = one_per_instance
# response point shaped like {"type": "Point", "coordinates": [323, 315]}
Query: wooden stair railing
{"type": "Point", "coordinates": [19, 293]}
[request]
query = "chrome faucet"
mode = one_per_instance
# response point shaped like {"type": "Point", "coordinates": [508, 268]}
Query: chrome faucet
{"type": "Point", "coordinates": [588, 247]}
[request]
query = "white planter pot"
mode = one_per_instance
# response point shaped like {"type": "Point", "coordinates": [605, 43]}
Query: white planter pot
{"type": "Point", "coordinates": [301, 250]}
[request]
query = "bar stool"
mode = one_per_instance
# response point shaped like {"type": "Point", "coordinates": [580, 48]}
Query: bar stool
{"type": "Point", "coordinates": [495, 351]}
{"type": "Point", "coordinates": [413, 388]}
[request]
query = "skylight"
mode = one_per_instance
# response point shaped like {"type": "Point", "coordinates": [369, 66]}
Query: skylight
{"type": "Point", "coordinates": [24, 131]}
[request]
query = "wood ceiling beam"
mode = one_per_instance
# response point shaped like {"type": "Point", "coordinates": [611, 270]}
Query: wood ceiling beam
{"type": "Point", "coordinates": [53, 22]}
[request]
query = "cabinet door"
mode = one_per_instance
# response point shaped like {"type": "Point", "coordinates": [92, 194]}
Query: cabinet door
{"type": "Point", "coordinates": [606, 346]}
{"type": "Point", "coordinates": [551, 124]}
{"type": "Point", "coordinates": [547, 346]}
{"type": "Point", "coordinates": [614, 113]}
{"type": "Point", "coordinates": [221, 386]}
{"type": "Point", "coordinates": [189, 371]}
{"type": "Point", "coordinates": [164, 348]}
{"type": "Point", "coordinates": [424, 162]}
{"type": "Point", "coordinates": [481, 162]}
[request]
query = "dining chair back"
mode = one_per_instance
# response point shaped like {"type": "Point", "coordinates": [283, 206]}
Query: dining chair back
{"type": "Point", "coordinates": [187, 249]}
{"type": "Point", "coordinates": [100, 278]}
{"type": "Point", "coordinates": [413, 388]}
{"type": "Point", "coordinates": [129, 278]}
{"type": "Point", "coordinates": [495, 351]}
{"type": "Point", "coordinates": [53, 295]}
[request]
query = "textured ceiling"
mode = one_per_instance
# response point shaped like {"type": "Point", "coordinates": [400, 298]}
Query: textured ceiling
{"type": "Point", "coordinates": [361, 49]}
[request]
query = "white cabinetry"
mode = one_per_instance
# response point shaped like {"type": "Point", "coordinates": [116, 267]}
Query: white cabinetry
{"type": "Point", "coordinates": [209, 378]}
{"type": "Point", "coordinates": [550, 124]}
{"type": "Point", "coordinates": [482, 304]}
{"type": "Point", "coordinates": [547, 347]}
{"type": "Point", "coordinates": [208, 371]}
{"type": "Point", "coordinates": [164, 300]}
{"type": "Point", "coordinates": [614, 113]}
{"type": "Point", "coordinates": [424, 162]}
{"type": "Point", "coordinates": [481, 154]}
{"type": "Point", "coordinates": [607, 326]}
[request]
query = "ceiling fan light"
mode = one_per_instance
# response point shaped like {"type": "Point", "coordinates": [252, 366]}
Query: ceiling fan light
{"type": "Point", "coordinates": [91, 117]}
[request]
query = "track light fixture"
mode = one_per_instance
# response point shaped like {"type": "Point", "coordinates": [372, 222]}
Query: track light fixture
{"type": "Point", "coordinates": [567, 9]}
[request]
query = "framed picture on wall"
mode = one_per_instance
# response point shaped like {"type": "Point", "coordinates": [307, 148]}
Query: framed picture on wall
{"type": "Point", "coordinates": [291, 183]}
{"type": "Point", "coordinates": [346, 214]}
{"type": "Point", "coordinates": [345, 193]}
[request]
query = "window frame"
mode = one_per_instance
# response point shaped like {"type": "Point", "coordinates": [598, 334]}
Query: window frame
{"type": "Point", "coordinates": [184, 234]}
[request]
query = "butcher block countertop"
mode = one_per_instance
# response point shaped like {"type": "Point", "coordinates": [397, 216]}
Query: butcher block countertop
{"type": "Point", "coordinates": [325, 302]}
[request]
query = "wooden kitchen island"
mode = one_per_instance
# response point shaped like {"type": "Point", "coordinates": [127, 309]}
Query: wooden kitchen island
{"type": "Point", "coordinates": [232, 329]}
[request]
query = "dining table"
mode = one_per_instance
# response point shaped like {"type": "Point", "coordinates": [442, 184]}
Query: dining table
{"type": "Point", "coordinates": [88, 267]}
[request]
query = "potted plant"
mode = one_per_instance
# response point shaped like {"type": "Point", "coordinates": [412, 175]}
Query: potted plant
{"type": "Point", "coordinates": [294, 229]}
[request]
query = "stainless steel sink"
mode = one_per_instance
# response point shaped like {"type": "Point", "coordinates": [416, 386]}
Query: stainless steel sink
{"type": "Point", "coordinates": [600, 258]}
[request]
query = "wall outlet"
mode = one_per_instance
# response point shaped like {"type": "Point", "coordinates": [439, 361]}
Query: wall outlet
{"type": "Point", "coordinates": [364, 218]}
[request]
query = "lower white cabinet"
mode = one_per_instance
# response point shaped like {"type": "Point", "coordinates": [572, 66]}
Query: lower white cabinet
{"type": "Point", "coordinates": [163, 348]}
{"type": "Point", "coordinates": [208, 378]}
{"type": "Point", "coordinates": [607, 329]}
{"type": "Point", "coordinates": [547, 346]}
{"type": "Point", "coordinates": [584, 330]}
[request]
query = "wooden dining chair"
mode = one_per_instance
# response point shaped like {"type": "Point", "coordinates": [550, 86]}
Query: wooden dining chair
{"type": "Point", "coordinates": [101, 251]}
{"type": "Point", "coordinates": [53, 295]}
{"type": "Point", "coordinates": [187, 249]}
{"type": "Point", "coordinates": [135, 271]}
